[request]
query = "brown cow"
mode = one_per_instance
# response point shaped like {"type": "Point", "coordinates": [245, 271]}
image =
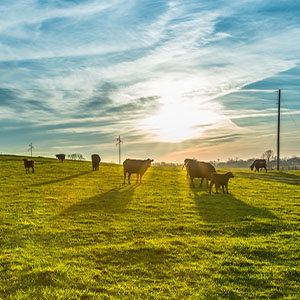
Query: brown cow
{"type": "Point", "coordinates": [95, 161]}
{"type": "Point", "coordinates": [259, 164]}
{"type": "Point", "coordinates": [28, 164]}
{"type": "Point", "coordinates": [199, 169]}
{"type": "Point", "coordinates": [61, 157]}
{"type": "Point", "coordinates": [185, 163]}
{"type": "Point", "coordinates": [220, 180]}
{"type": "Point", "coordinates": [136, 166]}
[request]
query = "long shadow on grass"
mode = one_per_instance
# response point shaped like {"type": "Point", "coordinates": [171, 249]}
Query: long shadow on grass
{"type": "Point", "coordinates": [273, 176]}
{"type": "Point", "coordinates": [112, 201]}
{"type": "Point", "coordinates": [61, 179]}
{"type": "Point", "coordinates": [222, 208]}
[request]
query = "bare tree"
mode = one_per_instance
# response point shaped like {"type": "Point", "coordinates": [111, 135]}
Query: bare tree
{"type": "Point", "coordinates": [268, 154]}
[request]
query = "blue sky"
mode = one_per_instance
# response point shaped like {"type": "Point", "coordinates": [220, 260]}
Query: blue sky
{"type": "Point", "coordinates": [175, 79]}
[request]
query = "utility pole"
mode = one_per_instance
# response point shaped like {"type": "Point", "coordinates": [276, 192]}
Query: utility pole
{"type": "Point", "coordinates": [278, 130]}
{"type": "Point", "coordinates": [119, 143]}
{"type": "Point", "coordinates": [30, 149]}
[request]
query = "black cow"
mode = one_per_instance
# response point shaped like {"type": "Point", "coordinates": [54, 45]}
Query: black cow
{"type": "Point", "coordinates": [259, 164]}
{"type": "Point", "coordinates": [28, 164]}
{"type": "Point", "coordinates": [199, 169]}
{"type": "Point", "coordinates": [61, 157]}
{"type": "Point", "coordinates": [95, 161]}
{"type": "Point", "coordinates": [136, 166]}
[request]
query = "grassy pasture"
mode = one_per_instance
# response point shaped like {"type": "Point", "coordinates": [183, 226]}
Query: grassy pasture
{"type": "Point", "coordinates": [67, 232]}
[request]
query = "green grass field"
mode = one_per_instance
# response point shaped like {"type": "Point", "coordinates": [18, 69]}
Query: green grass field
{"type": "Point", "coordinates": [67, 232]}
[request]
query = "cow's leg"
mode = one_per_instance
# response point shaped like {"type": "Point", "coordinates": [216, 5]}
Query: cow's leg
{"type": "Point", "coordinates": [129, 174]}
{"type": "Point", "coordinates": [217, 187]}
{"type": "Point", "coordinates": [192, 182]}
{"type": "Point", "coordinates": [137, 177]}
{"type": "Point", "coordinates": [211, 185]}
{"type": "Point", "coordinates": [202, 178]}
{"type": "Point", "coordinates": [32, 169]}
{"type": "Point", "coordinates": [227, 188]}
{"type": "Point", "coordinates": [141, 178]}
{"type": "Point", "coordinates": [124, 177]}
{"type": "Point", "coordinates": [207, 185]}
{"type": "Point", "coordinates": [223, 188]}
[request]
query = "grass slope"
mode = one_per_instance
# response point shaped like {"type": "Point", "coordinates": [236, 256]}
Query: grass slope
{"type": "Point", "coordinates": [69, 233]}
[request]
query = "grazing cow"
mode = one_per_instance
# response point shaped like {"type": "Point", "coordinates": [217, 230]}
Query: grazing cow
{"type": "Point", "coordinates": [95, 161]}
{"type": "Point", "coordinates": [61, 157]}
{"type": "Point", "coordinates": [28, 164]}
{"type": "Point", "coordinates": [259, 164]}
{"type": "Point", "coordinates": [199, 169]}
{"type": "Point", "coordinates": [136, 166]}
{"type": "Point", "coordinates": [220, 180]}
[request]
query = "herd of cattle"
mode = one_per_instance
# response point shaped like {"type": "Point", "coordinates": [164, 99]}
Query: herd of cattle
{"type": "Point", "coordinates": [194, 168]}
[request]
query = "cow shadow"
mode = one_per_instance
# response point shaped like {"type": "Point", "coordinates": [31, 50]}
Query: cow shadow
{"type": "Point", "coordinates": [61, 179]}
{"type": "Point", "coordinates": [281, 177]}
{"type": "Point", "coordinates": [225, 208]}
{"type": "Point", "coordinates": [112, 201]}
{"type": "Point", "coordinates": [284, 174]}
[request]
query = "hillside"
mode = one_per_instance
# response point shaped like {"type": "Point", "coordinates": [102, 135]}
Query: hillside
{"type": "Point", "coordinates": [70, 233]}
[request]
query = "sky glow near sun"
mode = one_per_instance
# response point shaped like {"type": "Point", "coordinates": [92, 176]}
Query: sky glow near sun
{"type": "Point", "coordinates": [173, 78]}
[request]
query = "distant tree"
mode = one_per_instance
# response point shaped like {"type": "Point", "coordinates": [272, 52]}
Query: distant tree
{"type": "Point", "coordinates": [80, 156]}
{"type": "Point", "coordinates": [268, 154]}
{"type": "Point", "coordinates": [76, 156]}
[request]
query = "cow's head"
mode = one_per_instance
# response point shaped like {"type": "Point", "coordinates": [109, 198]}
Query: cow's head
{"type": "Point", "coordinates": [230, 175]}
{"type": "Point", "coordinates": [148, 162]}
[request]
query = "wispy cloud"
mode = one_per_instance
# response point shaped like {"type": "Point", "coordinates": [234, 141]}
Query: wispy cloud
{"type": "Point", "coordinates": [162, 71]}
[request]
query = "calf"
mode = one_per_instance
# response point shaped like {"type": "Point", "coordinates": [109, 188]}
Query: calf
{"type": "Point", "coordinates": [220, 180]}
{"type": "Point", "coordinates": [28, 164]}
{"type": "Point", "coordinates": [136, 166]}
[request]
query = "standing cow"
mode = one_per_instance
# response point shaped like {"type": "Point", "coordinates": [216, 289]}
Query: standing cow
{"type": "Point", "coordinates": [28, 164]}
{"type": "Point", "coordinates": [61, 157]}
{"type": "Point", "coordinates": [199, 169]}
{"type": "Point", "coordinates": [220, 180]}
{"type": "Point", "coordinates": [95, 161]}
{"type": "Point", "coordinates": [185, 163]}
{"type": "Point", "coordinates": [259, 164]}
{"type": "Point", "coordinates": [136, 166]}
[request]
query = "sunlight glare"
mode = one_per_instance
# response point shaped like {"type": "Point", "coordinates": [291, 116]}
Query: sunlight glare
{"type": "Point", "coordinates": [176, 122]}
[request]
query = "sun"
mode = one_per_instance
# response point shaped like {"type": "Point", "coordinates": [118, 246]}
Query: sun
{"type": "Point", "coordinates": [179, 121]}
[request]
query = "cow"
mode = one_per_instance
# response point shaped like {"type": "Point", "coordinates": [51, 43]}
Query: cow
{"type": "Point", "coordinates": [95, 161]}
{"type": "Point", "coordinates": [185, 163]}
{"type": "Point", "coordinates": [199, 169]}
{"type": "Point", "coordinates": [136, 166]}
{"type": "Point", "coordinates": [61, 157]}
{"type": "Point", "coordinates": [220, 180]}
{"type": "Point", "coordinates": [28, 164]}
{"type": "Point", "coordinates": [259, 164]}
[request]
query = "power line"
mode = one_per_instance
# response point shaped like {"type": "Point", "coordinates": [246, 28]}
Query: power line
{"type": "Point", "coordinates": [278, 130]}
{"type": "Point", "coordinates": [30, 149]}
{"type": "Point", "coordinates": [119, 142]}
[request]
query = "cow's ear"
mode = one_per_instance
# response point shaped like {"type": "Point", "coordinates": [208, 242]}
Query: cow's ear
{"type": "Point", "coordinates": [152, 159]}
